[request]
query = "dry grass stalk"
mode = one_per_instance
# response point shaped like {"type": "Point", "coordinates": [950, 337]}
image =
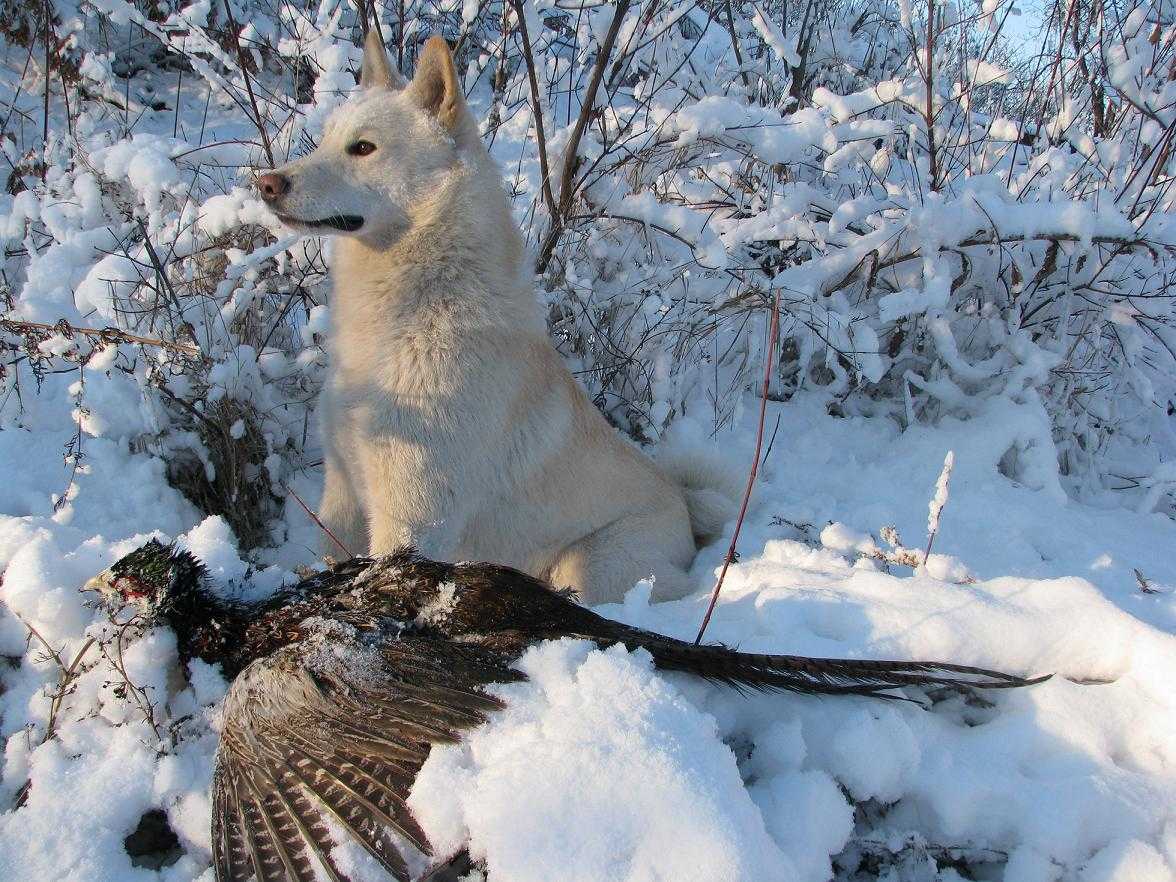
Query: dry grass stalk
{"type": "Point", "coordinates": [67, 675]}
{"type": "Point", "coordinates": [769, 365]}
{"type": "Point", "coordinates": [40, 331]}
{"type": "Point", "coordinates": [348, 554]}
{"type": "Point", "coordinates": [938, 501]}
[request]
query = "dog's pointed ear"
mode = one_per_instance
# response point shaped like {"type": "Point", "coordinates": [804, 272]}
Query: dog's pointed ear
{"type": "Point", "coordinates": [377, 71]}
{"type": "Point", "coordinates": [435, 85]}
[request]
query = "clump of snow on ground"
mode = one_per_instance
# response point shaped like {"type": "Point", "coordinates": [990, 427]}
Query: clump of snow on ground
{"type": "Point", "coordinates": [580, 772]}
{"type": "Point", "coordinates": [601, 768]}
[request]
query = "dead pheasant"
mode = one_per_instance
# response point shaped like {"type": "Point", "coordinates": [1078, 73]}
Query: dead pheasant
{"type": "Point", "coordinates": [344, 682]}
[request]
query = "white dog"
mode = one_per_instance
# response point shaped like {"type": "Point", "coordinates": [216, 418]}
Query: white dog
{"type": "Point", "coordinates": [449, 420]}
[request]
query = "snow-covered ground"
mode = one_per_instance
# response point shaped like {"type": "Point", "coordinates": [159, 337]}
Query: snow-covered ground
{"type": "Point", "coordinates": [602, 769]}
{"type": "Point", "coordinates": [1015, 310]}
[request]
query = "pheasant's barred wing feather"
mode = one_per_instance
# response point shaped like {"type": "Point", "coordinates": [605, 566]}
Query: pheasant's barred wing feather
{"type": "Point", "coordinates": [331, 740]}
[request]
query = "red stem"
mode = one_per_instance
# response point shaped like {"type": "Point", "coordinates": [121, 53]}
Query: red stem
{"type": "Point", "coordinates": [315, 518]}
{"type": "Point", "coordinates": [769, 360]}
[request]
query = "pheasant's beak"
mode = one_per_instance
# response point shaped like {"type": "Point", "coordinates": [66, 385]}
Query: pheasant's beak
{"type": "Point", "coordinates": [117, 591]}
{"type": "Point", "coordinates": [102, 585]}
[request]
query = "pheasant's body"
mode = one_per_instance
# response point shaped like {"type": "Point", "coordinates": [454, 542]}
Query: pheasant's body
{"type": "Point", "coordinates": [345, 681]}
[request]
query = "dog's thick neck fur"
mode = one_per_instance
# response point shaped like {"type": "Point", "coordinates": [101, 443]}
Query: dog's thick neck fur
{"type": "Point", "coordinates": [453, 265]}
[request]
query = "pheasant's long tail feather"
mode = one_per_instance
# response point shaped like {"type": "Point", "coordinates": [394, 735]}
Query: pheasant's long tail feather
{"type": "Point", "coordinates": [827, 676]}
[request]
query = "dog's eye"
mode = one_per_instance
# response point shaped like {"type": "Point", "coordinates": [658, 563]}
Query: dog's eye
{"type": "Point", "coordinates": [361, 148]}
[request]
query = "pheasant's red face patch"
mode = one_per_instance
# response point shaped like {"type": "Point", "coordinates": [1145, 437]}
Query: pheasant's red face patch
{"type": "Point", "coordinates": [131, 588]}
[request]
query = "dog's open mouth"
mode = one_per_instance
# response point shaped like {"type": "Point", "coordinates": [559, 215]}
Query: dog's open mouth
{"type": "Point", "coordinates": [348, 223]}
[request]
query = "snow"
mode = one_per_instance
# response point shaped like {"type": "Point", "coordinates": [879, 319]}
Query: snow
{"type": "Point", "coordinates": [984, 73]}
{"type": "Point", "coordinates": [939, 500]}
{"type": "Point", "coordinates": [781, 45]}
{"type": "Point", "coordinates": [602, 726]}
{"type": "Point", "coordinates": [774, 138]}
{"type": "Point", "coordinates": [1009, 328]}
{"type": "Point", "coordinates": [600, 768]}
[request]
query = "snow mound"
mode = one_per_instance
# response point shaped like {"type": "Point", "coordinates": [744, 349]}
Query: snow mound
{"type": "Point", "coordinates": [578, 772]}
{"type": "Point", "coordinates": [601, 768]}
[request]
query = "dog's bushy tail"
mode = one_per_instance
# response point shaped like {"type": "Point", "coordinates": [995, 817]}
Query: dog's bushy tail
{"type": "Point", "coordinates": [712, 487]}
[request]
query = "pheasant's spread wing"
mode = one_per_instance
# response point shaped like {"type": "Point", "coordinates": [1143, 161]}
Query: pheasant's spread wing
{"type": "Point", "coordinates": [325, 741]}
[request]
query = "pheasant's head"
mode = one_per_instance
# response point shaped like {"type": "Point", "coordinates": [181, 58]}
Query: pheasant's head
{"type": "Point", "coordinates": [150, 580]}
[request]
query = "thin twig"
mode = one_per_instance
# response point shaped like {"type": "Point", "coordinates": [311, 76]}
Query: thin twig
{"type": "Point", "coordinates": [235, 31]}
{"type": "Point", "coordinates": [567, 184]}
{"type": "Point", "coordinates": [105, 334]}
{"type": "Point", "coordinates": [536, 109]}
{"type": "Point", "coordinates": [138, 693]}
{"type": "Point", "coordinates": [68, 673]}
{"type": "Point", "coordinates": [315, 518]}
{"type": "Point", "coordinates": [938, 501]}
{"type": "Point", "coordinates": [929, 111]}
{"type": "Point", "coordinates": [48, 59]}
{"type": "Point", "coordinates": [735, 45]}
{"type": "Point", "coordinates": [769, 363]}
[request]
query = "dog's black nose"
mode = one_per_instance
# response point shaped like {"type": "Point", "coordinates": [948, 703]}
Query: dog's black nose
{"type": "Point", "coordinates": [271, 185]}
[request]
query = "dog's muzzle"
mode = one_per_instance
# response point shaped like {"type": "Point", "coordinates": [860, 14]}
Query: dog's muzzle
{"type": "Point", "coordinates": [272, 186]}
{"type": "Point", "coordinates": [347, 223]}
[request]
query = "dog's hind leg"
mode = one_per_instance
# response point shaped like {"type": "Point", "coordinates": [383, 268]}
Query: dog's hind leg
{"type": "Point", "coordinates": [604, 565]}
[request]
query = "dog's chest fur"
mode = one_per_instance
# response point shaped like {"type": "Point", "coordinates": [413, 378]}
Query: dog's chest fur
{"type": "Point", "coordinates": [447, 401]}
{"type": "Point", "coordinates": [423, 351]}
